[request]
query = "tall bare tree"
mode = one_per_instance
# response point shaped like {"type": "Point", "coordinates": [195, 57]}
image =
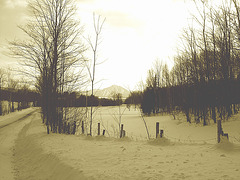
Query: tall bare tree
{"type": "Point", "coordinates": [53, 47]}
{"type": "Point", "coordinates": [98, 25]}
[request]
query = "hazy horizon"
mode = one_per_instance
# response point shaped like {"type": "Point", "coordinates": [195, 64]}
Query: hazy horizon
{"type": "Point", "coordinates": [135, 34]}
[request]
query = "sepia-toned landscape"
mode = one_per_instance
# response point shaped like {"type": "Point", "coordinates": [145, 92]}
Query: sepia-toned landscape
{"type": "Point", "coordinates": [110, 89]}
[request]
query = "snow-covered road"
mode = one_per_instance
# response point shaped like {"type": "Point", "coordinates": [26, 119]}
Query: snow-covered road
{"type": "Point", "coordinates": [10, 126]}
{"type": "Point", "coordinates": [15, 116]}
{"type": "Point", "coordinates": [21, 157]}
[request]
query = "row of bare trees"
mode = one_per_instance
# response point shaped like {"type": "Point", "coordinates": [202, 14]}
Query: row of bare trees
{"type": "Point", "coordinates": [14, 94]}
{"type": "Point", "coordinates": [51, 53]}
{"type": "Point", "coordinates": [205, 78]}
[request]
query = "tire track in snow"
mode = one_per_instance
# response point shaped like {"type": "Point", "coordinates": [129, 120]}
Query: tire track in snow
{"type": "Point", "coordinates": [8, 135]}
{"type": "Point", "coordinates": [6, 123]}
{"type": "Point", "coordinates": [30, 161]}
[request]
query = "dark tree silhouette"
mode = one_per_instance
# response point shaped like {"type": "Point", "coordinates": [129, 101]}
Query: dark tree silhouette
{"type": "Point", "coordinates": [204, 82]}
{"type": "Point", "coordinates": [52, 48]}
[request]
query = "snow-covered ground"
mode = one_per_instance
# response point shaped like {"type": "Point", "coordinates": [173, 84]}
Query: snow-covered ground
{"type": "Point", "coordinates": [10, 126]}
{"type": "Point", "coordinates": [188, 151]}
{"type": "Point", "coordinates": [177, 130]}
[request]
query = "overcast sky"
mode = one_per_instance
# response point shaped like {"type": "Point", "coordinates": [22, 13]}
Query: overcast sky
{"type": "Point", "coordinates": [135, 34]}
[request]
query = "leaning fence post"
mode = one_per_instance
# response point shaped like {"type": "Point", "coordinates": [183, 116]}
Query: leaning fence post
{"type": "Point", "coordinates": [157, 129]}
{"type": "Point", "coordinates": [121, 131]}
{"type": "Point", "coordinates": [98, 129]}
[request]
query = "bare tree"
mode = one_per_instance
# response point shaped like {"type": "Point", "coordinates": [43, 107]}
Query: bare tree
{"type": "Point", "coordinates": [53, 48]}
{"type": "Point", "coordinates": [204, 81]}
{"type": "Point", "coordinates": [2, 79]}
{"type": "Point", "coordinates": [98, 25]}
{"type": "Point", "coordinates": [11, 86]}
{"type": "Point", "coordinates": [117, 97]}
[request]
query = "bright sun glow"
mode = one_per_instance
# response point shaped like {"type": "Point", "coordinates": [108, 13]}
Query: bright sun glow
{"type": "Point", "coordinates": [136, 33]}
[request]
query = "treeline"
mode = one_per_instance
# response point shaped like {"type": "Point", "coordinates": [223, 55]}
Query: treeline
{"type": "Point", "coordinates": [73, 100]}
{"type": "Point", "coordinates": [134, 98]}
{"type": "Point", "coordinates": [204, 82]}
{"type": "Point", "coordinates": [14, 95]}
{"type": "Point", "coordinates": [204, 100]}
{"type": "Point", "coordinates": [17, 99]}
{"type": "Point", "coordinates": [19, 95]}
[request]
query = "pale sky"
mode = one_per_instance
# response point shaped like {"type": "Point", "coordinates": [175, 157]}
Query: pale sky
{"type": "Point", "coordinates": [135, 34]}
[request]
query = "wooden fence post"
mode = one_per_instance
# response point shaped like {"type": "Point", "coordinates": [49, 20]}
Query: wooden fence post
{"type": "Point", "coordinates": [121, 131]}
{"type": "Point", "coordinates": [219, 130]}
{"type": "Point", "coordinates": [68, 128]}
{"type": "Point", "coordinates": [226, 135]}
{"type": "Point", "coordinates": [98, 129]}
{"type": "Point", "coordinates": [161, 133]}
{"type": "Point", "coordinates": [103, 132]}
{"type": "Point", "coordinates": [82, 127]}
{"type": "Point", "coordinates": [65, 127]}
{"type": "Point", "coordinates": [157, 129]}
{"type": "Point", "coordinates": [74, 127]}
{"type": "Point", "coordinates": [124, 133]}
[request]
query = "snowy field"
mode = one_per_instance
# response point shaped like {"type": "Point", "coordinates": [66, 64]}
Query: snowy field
{"type": "Point", "coordinates": [177, 130]}
{"type": "Point", "coordinates": [188, 151]}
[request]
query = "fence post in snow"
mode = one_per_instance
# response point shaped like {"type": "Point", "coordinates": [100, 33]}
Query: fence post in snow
{"type": "Point", "coordinates": [68, 128]}
{"type": "Point", "coordinates": [74, 127]}
{"type": "Point", "coordinates": [161, 133]}
{"type": "Point", "coordinates": [157, 129]}
{"type": "Point", "coordinates": [219, 130]}
{"type": "Point", "coordinates": [82, 127]}
{"type": "Point", "coordinates": [121, 131]}
{"type": "Point", "coordinates": [65, 127]}
{"type": "Point", "coordinates": [98, 129]}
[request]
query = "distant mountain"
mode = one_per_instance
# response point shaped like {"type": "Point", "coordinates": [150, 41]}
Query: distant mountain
{"type": "Point", "coordinates": [109, 91]}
